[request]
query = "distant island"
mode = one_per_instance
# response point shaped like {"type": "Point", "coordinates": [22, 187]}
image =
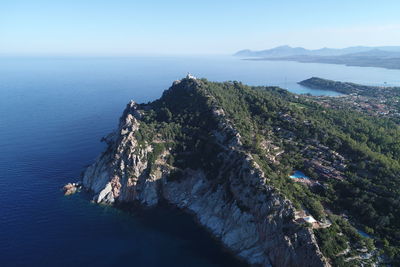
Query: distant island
{"type": "Point", "coordinates": [383, 57]}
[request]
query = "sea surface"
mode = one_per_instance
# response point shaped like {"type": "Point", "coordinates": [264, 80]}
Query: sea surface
{"type": "Point", "coordinates": [53, 113]}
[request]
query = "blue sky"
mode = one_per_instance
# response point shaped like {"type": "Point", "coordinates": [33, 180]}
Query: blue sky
{"type": "Point", "coordinates": [207, 26]}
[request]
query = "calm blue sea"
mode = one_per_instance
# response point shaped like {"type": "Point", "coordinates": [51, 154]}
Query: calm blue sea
{"type": "Point", "coordinates": [54, 111]}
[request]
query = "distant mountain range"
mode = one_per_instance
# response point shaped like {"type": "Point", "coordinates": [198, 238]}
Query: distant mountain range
{"type": "Point", "coordinates": [285, 50]}
{"type": "Point", "coordinates": [364, 56]}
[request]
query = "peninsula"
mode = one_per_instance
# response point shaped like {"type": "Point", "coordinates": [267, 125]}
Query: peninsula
{"type": "Point", "coordinates": [378, 101]}
{"type": "Point", "coordinates": [226, 152]}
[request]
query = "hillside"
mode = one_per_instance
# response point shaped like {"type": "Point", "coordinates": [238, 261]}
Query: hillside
{"type": "Point", "coordinates": [225, 151]}
{"type": "Point", "coordinates": [345, 87]}
{"type": "Point", "coordinates": [378, 101]}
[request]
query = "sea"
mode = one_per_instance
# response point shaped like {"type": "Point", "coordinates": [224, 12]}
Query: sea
{"type": "Point", "coordinates": [53, 113]}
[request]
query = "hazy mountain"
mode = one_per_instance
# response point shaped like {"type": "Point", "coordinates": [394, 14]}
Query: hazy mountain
{"type": "Point", "coordinates": [363, 56]}
{"type": "Point", "coordinates": [279, 51]}
{"type": "Point", "coordinates": [285, 51]}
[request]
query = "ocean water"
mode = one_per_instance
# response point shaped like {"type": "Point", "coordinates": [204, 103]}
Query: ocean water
{"type": "Point", "coordinates": [53, 113]}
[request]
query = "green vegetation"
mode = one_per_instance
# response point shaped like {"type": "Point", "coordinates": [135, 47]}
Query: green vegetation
{"type": "Point", "coordinates": [349, 88]}
{"type": "Point", "coordinates": [341, 87]}
{"type": "Point", "coordinates": [370, 193]}
{"type": "Point", "coordinates": [340, 237]}
{"type": "Point", "coordinates": [181, 121]}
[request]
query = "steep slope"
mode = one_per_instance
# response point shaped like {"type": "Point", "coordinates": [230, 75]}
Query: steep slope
{"type": "Point", "coordinates": [183, 148]}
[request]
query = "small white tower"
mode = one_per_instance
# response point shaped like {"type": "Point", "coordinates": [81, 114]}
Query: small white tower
{"type": "Point", "coordinates": [190, 76]}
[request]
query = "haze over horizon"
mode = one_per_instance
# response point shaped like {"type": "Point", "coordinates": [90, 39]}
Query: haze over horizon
{"type": "Point", "coordinates": [200, 27]}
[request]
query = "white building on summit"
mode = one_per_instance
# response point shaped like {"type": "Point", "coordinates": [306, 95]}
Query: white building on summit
{"type": "Point", "coordinates": [190, 76]}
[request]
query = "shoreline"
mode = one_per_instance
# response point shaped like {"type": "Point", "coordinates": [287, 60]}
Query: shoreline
{"type": "Point", "coordinates": [321, 62]}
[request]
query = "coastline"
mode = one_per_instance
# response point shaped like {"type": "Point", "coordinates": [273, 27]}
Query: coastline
{"type": "Point", "coordinates": [348, 64]}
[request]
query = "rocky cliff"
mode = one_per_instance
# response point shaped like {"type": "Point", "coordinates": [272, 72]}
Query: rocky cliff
{"type": "Point", "coordinates": [183, 149]}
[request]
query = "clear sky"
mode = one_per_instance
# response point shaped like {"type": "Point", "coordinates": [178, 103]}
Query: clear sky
{"type": "Point", "coordinates": [206, 26]}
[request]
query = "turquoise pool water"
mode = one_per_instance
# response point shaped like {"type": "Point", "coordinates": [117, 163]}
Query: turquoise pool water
{"type": "Point", "coordinates": [299, 175]}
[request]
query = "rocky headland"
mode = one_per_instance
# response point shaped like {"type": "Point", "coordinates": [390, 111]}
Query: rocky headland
{"type": "Point", "coordinates": [183, 149]}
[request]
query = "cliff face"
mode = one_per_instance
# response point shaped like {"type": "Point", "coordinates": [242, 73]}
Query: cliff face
{"type": "Point", "coordinates": [234, 200]}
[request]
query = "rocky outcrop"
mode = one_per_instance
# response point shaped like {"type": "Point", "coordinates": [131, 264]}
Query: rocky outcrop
{"type": "Point", "coordinates": [238, 205]}
{"type": "Point", "coordinates": [71, 188]}
{"type": "Point", "coordinates": [123, 163]}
